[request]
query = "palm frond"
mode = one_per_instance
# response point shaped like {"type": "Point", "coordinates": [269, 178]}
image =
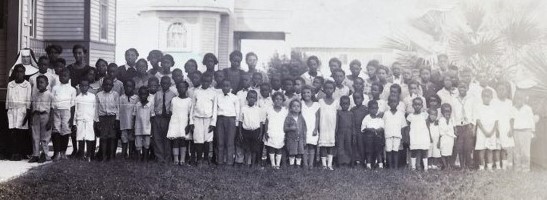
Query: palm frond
{"type": "Point", "coordinates": [521, 31]}
{"type": "Point", "coordinates": [430, 23]}
{"type": "Point", "coordinates": [536, 64]}
{"type": "Point", "coordinates": [475, 17]}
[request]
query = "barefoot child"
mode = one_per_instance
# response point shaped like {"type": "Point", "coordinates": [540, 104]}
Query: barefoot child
{"type": "Point", "coordinates": [275, 136]}
{"type": "Point", "coordinates": [327, 123]}
{"type": "Point", "coordinates": [179, 124]}
{"type": "Point", "coordinates": [295, 133]}
{"type": "Point", "coordinates": [125, 116]}
{"type": "Point", "coordinates": [447, 136]}
{"type": "Point", "coordinates": [142, 114]}
{"type": "Point", "coordinates": [85, 115]}
{"type": "Point", "coordinates": [344, 132]}
{"type": "Point", "coordinates": [42, 119]}
{"type": "Point", "coordinates": [420, 139]}
{"type": "Point", "coordinates": [395, 122]}
{"type": "Point", "coordinates": [310, 112]}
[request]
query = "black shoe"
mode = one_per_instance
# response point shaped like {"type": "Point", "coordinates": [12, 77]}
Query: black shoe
{"type": "Point", "coordinates": [33, 159]}
{"type": "Point", "coordinates": [42, 158]}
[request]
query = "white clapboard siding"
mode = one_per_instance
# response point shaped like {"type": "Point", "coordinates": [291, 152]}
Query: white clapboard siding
{"type": "Point", "coordinates": [94, 55]}
{"type": "Point", "coordinates": [63, 19]}
{"type": "Point", "coordinates": [95, 19]}
{"type": "Point", "coordinates": [224, 42]}
{"type": "Point", "coordinates": [209, 34]}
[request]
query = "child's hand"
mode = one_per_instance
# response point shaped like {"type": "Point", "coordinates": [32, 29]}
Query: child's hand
{"type": "Point", "coordinates": [267, 137]}
{"type": "Point", "coordinates": [211, 128]}
{"type": "Point", "coordinates": [315, 132]}
{"type": "Point", "coordinates": [189, 128]}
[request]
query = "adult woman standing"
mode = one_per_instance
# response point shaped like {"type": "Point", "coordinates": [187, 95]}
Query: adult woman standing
{"type": "Point", "coordinates": [79, 67]}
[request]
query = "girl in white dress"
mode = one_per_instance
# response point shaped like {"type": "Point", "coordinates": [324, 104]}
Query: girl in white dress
{"type": "Point", "coordinates": [327, 124]}
{"type": "Point", "coordinates": [178, 125]}
{"type": "Point", "coordinates": [505, 112]}
{"type": "Point", "coordinates": [446, 143]}
{"type": "Point", "coordinates": [310, 112]}
{"type": "Point", "coordinates": [487, 129]}
{"type": "Point", "coordinates": [275, 135]}
{"type": "Point", "coordinates": [420, 139]}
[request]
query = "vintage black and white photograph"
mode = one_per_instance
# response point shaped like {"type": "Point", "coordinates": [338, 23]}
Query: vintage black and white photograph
{"type": "Point", "coordinates": [273, 99]}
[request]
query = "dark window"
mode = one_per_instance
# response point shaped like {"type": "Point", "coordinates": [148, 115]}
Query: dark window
{"type": "Point", "coordinates": [103, 24]}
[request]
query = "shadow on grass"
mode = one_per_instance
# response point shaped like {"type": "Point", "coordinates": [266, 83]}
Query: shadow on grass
{"type": "Point", "coordinates": [130, 180]}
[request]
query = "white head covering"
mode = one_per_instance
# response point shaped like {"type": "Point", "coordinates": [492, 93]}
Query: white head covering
{"type": "Point", "coordinates": [29, 69]}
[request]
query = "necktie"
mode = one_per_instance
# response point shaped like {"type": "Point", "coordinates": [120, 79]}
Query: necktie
{"type": "Point", "coordinates": [164, 109]}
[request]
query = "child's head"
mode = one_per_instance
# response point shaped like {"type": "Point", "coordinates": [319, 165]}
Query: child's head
{"type": "Point", "coordinates": [90, 74]}
{"type": "Point", "coordinates": [434, 101]}
{"type": "Point", "coordinates": [210, 60]}
{"type": "Point", "coordinates": [328, 88]}
{"type": "Point", "coordinates": [519, 100]}
{"type": "Point", "coordinates": [318, 83]}
{"type": "Point", "coordinates": [60, 64]}
{"type": "Point", "coordinates": [142, 66]}
{"type": "Point", "coordinates": [306, 93]}
{"type": "Point", "coordinates": [245, 80]}
{"type": "Point", "coordinates": [407, 74]}
{"type": "Point", "coordinates": [177, 75]}
{"type": "Point", "coordinates": [154, 57]}
{"type": "Point", "coordinates": [381, 73]}
{"type": "Point", "coordinates": [131, 56]}
{"type": "Point", "coordinates": [79, 52]}
{"type": "Point", "coordinates": [276, 82]}
{"type": "Point", "coordinates": [41, 83]}
{"type": "Point", "coordinates": [344, 102]}
{"type": "Point", "coordinates": [129, 87]}
{"type": "Point", "coordinates": [252, 96]}
{"type": "Point", "coordinates": [371, 68]}
{"type": "Point", "coordinates": [417, 104]}
{"type": "Point", "coordinates": [265, 89]}
{"type": "Point", "coordinates": [373, 107]}
{"type": "Point", "coordinates": [182, 88]}
{"type": "Point", "coordinates": [64, 76]}
{"type": "Point", "coordinates": [355, 67]}
{"type": "Point", "coordinates": [393, 102]}
{"type": "Point", "coordinates": [53, 51]}
{"type": "Point", "coordinates": [143, 93]}
{"type": "Point", "coordinates": [414, 87]}
{"type": "Point", "coordinates": [466, 75]}
{"type": "Point", "coordinates": [462, 88]}
{"type": "Point", "coordinates": [425, 75]}
{"type": "Point", "coordinates": [395, 89]}
{"type": "Point", "coordinates": [102, 67]}
{"type": "Point", "coordinates": [112, 70]}
{"type": "Point", "coordinates": [226, 86]}
{"type": "Point", "coordinates": [487, 95]}
{"type": "Point", "coordinates": [339, 75]}
{"type": "Point", "coordinates": [334, 64]}
{"type": "Point", "coordinates": [195, 77]}
{"type": "Point", "coordinates": [442, 60]}
{"type": "Point", "coordinates": [153, 84]}
{"type": "Point", "coordinates": [235, 58]}
{"type": "Point", "coordinates": [278, 98]}
{"type": "Point", "coordinates": [298, 84]}
{"type": "Point", "coordinates": [108, 83]}
{"type": "Point", "coordinates": [396, 69]}
{"type": "Point", "coordinates": [358, 84]}
{"type": "Point", "coordinates": [358, 98]}
{"type": "Point", "coordinates": [482, 78]}
{"type": "Point", "coordinates": [219, 76]}
{"type": "Point", "coordinates": [447, 82]}
{"type": "Point", "coordinates": [503, 89]}
{"type": "Point", "coordinates": [43, 64]}
{"type": "Point", "coordinates": [446, 110]}
{"type": "Point", "coordinates": [206, 80]}
{"type": "Point", "coordinates": [313, 63]}
{"type": "Point", "coordinates": [295, 106]}
{"type": "Point", "coordinates": [165, 83]}
{"type": "Point", "coordinates": [251, 58]}
{"type": "Point", "coordinates": [288, 85]}
{"type": "Point", "coordinates": [257, 79]}
{"type": "Point", "coordinates": [167, 62]}
{"type": "Point", "coordinates": [376, 89]}
{"type": "Point", "coordinates": [84, 86]}
{"type": "Point", "coordinates": [433, 114]}
{"type": "Point", "coordinates": [190, 66]}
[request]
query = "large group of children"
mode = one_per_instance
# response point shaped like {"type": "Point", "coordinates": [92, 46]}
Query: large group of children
{"type": "Point", "coordinates": [440, 116]}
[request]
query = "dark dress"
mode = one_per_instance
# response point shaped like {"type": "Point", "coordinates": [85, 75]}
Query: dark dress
{"type": "Point", "coordinates": [295, 134]}
{"type": "Point", "coordinates": [76, 74]}
{"type": "Point", "coordinates": [344, 133]}
{"type": "Point", "coordinates": [126, 72]}
{"type": "Point", "coordinates": [359, 113]}
{"type": "Point", "coordinates": [234, 75]}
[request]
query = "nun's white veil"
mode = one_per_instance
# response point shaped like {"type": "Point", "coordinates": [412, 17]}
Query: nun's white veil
{"type": "Point", "coordinates": [30, 68]}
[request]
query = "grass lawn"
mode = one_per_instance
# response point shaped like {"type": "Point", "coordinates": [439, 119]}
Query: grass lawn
{"type": "Point", "coordinates": [129, 180]}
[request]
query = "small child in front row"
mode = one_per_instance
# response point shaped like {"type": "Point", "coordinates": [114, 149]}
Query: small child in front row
{"type": "Point", "coordinates": [250, 128]}
{"type": "Point", "coordinates": [447, 136]}
{"type": "Point", "coordinates": [395, 122]}
{"type": "Point", "coordinates": [63, 105]}
{"type": "Point", "coordinates": [203, 117]}
{"type": "Point", "coordinates": [487, 130]}
{"type": "Point", "coordinates": [107, 109]}
{"type": "Point", "coordinates": [434, 152]}
{"type": "Point", "coordinates": [344, 133]}
{"type": "Point", "coordinates": [310, 112]}
{"type": "Point", "coordinates": [142, 113]}
{"type": "Point", "coordinates": [178, 125]}
{"type": "Point", "coordinates": [18, 101]}
{"type": "Point", "coordinates": [125, 116]}
{"type": "Point", "coordinates": [523, 132]}
{"type": "Point", "coordinates": [275, 135]}
{"type": "Point", "coordinates": [328, 107]}
{"type": "Point", "coordinates": [373, 129]}
{"type": "Point", "coordinates": [295, 133]}
{"type": "Point", "coordinates": [85, 115]}
{"type": "Point", "coordinates": [420, 139]}
{"type": "Point", "coordinates": [42, 119]}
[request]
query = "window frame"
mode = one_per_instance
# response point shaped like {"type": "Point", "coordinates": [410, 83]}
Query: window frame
{"type": "Point", "coordinates": [104, 10]}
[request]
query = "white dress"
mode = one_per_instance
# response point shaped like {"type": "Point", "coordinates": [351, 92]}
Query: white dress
{"type": "Point", "coordinates": [18, 100]}
{"type": "Point", "coordinates": [419, 134]}
{"type": "Point", "coordinates": [180, 109]}
{"type": "Point", "coordinates": [505, 113]}
{"type": "Point", "coordinates": [276, 120]}
{"type": "Point", "coordinates": [84, 116]}
{"type": "Point", "coordinates": [487, 116]}
{"type": "Point", "coordinates": [447, 136]}
{"type": "Point", "coordinates": [327, 123]}
{"type": "Point", "coordinates": [309, 114]}
{"type": "Point", "coordinates": [434, 151]}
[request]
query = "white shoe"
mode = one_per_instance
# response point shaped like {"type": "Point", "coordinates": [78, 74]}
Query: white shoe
{"type": "Point", "coordinates": [330, 168]}
{"type": "Point", "coordinates": [381, 165]}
